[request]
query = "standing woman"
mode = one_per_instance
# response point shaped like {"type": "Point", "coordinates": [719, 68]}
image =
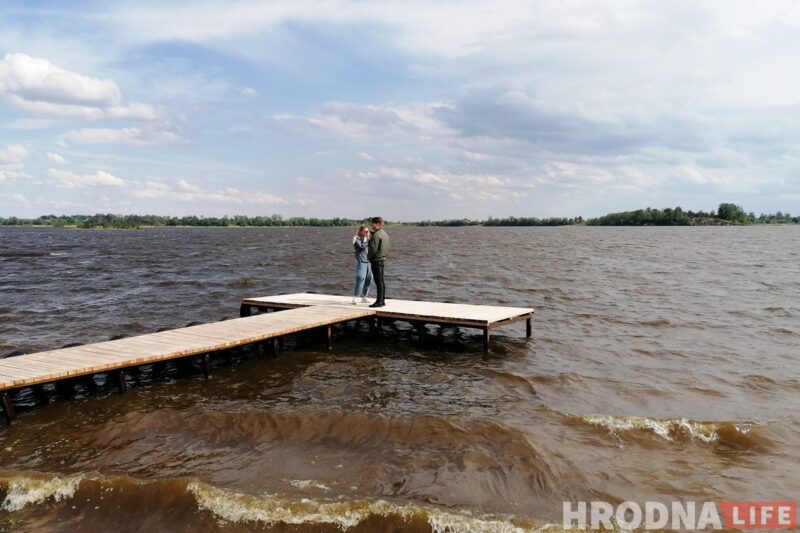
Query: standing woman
{"type": "Point", "coordinates": [363, 268]}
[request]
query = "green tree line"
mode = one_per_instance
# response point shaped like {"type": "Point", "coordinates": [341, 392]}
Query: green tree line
{"type": "Point", "coordinates": [726, 213]}
{"type": "Point", "coordinates": [508, 221]}
{"type": "Point", "coordinates": [137, 221]}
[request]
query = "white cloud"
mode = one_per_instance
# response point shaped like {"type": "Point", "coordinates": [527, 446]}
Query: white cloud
{"type": "Point", "coordinates": [157, 185]}
{"type": "Point", "coordinates": [191, 193]}
{"type": "Point", "coordinates": [570, 173]}
{"type": "Point", "coordinates": [37, 79]}
{"type": "Point", "coordinates": [721, 180]}
{"type": "Point", "coordinates": [366, 121]}
{"type": "Point", "coordinates": [475, 156]}
{"type": "Point", "coordinates": [19, 198]}
{"type": "Point", "coordinates": [30, 124]}
{"type": "Point", "coordinates": [456, 186]}
{"type": "Point", "coordinates": [185, 186]}
{"type": "Point", "coordinates": [55, 158]}
{"type": "Point", "coordinates": [15, 199]}
{"type": "Point", "coordinates": [416, 25]}
{"type": "Point", "coordinates": [149, 189]}
{"type": "Point", "coordinates": [132, 136]}
{"type": "Point", "coordinates": [71, 180]}
{"type": "Point", "coordinates": [249, 92]}
{"type": "Point", "coordinates": [7, 174]}
{"type": "Point", "coordinates": [12, 163]}
{"type": "Point", "coordinates": [638, 53]}
{"type": "Point", "coordinates": [14, 153]}
{"type": "Point", "coordinates": [36, 85]}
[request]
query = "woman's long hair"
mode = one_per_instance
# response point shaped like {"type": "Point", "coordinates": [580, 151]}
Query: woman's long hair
{"type": "Point", "coordinates": [358, 231]}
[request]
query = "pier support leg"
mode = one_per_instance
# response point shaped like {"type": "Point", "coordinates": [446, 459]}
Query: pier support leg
{"type": "Point", "coordinates": [486, 337]}
{"type": "Point", "coordinates": [89, 383]}
{"type": "Point", "coordinates": [122, 383]}
{"type": "Point", "coordinates": [245, 310]}
{"type": "Point", "coordinates": [275, 346]}
{"type": "Point", "coordinates": [205, 365]}
{"type": "Point", "coordinates": [528, 328]}
{"type": "Point", "coordinates": [329, 335]}
{"type": "Point", "coordinates": [8, 407]}
{"type": "Point", "coordinates": [39, 393]}
{"type": "Point", "coordinates": [420, 326]}
{"type": "Point", "coordinates": [65, 389]}
{"type": "Point", "coordinates": [184, 365]}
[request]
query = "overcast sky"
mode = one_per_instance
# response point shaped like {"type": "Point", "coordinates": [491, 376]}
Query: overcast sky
{"type": "Point", "coordinates": [410, 109]}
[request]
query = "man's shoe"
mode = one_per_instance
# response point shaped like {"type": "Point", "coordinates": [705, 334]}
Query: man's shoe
{"type": "Point", "coordinates": [378, 304]}
{"type": "Point", "coordinates": [364, 300]}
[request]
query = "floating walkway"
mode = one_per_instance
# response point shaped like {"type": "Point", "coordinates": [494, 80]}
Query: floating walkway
{"type": "Point", "coordinates": [418, 313]}
{"type": "Point", "coordinates": [299, 312]}
{"type": "Point", "coordinates": [116, 356]}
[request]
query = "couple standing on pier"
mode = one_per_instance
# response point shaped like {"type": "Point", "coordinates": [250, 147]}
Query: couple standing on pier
{"type": "Point", "coordinates": [371, 251]}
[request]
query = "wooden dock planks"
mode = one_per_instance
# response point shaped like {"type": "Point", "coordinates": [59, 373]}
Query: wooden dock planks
{"type": "Point", "coordinates": [53, 365]}
{"type": "Point", "coordinates": [305, 311]}
{"type": "Point", "coordinates": [484, 317]}
{"type": "Point", "coordinates": [480, 316]}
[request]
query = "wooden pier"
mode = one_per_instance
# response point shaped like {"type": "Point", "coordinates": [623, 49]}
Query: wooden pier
{"type": "Point", "coordinates": [299, 312]}
{"type": "Point", "coordinates": [117, 356]}
{"type": "Point", "coordinates": [415, 312]}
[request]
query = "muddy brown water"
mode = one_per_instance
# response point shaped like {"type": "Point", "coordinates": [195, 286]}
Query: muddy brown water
{"type": "Point", "coordinates": [663, 366]}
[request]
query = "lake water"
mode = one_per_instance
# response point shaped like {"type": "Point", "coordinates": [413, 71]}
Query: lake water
{"type": "Point", "coordinates": [663, 366]}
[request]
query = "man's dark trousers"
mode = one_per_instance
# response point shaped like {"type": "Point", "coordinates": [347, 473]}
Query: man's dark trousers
{"type": "Point", "coordinates": [377, 275]}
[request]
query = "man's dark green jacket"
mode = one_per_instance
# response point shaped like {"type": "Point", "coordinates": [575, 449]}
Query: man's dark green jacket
{"type": "Point", "coordinates": [378, 246]}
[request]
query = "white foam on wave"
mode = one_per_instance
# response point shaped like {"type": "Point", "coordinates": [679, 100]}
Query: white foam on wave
{"type": "Point", "coordinates": [305, 483]}
{"type": "Point", "coordinates": [24, 491]}
{"type": "Point", "coordinates": [666, 428]}
{"type": "Point", "coordinates": [269, 509]}
{"type": "Point", "coordinates": [443, 522]}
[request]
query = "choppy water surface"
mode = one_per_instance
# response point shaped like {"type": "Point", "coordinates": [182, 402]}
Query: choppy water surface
{"type": "Point", "coordinates": [663, 366]}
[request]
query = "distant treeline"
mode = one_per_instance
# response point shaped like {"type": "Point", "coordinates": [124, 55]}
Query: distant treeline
{"type": "Point", "coordinates": [508, 221]}
{"type": "Point", "coordinates": [726, 214]}
{"type": "Point", "coordinates": [137, 221]}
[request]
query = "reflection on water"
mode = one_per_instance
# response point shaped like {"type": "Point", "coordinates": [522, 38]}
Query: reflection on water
{"type": "Point", "coordinates": [663, 366]}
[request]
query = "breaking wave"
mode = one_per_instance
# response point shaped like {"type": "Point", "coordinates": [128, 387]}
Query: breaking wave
{"type": "Point", "coordinates": [743, 435]}
{"type": "Point", "coordinates": [190, 500]}
{"type": "Point", "coordinates": [22, 491]}
{"type": "Point", "coordinates": [271, 510]}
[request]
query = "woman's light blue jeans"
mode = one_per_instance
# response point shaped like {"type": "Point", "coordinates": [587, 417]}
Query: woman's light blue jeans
{"type": "Point", "coordinates": [363, 279]}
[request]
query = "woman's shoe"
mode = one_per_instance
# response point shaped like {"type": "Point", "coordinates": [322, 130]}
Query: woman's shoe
{"type": "Point", "coordinates": [364, 300]}
{"type": "Point", "coordinates": [354, 301]}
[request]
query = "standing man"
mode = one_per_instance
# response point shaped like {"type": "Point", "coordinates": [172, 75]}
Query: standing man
{"type": "Point", "coordinates": [378, 252]}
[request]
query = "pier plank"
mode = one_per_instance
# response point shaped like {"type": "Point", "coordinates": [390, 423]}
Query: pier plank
{"type": "Point", "coordinates": [53, 365]}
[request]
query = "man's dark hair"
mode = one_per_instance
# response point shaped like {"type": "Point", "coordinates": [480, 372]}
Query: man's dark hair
{"type": "Point", "coordinates": [377, 220]}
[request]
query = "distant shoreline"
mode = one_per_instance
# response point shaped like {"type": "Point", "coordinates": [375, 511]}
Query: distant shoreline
{"type": "Point", "coordinates": [396, 225]}
{"type": "Point", "coordinates": [726, 215]}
